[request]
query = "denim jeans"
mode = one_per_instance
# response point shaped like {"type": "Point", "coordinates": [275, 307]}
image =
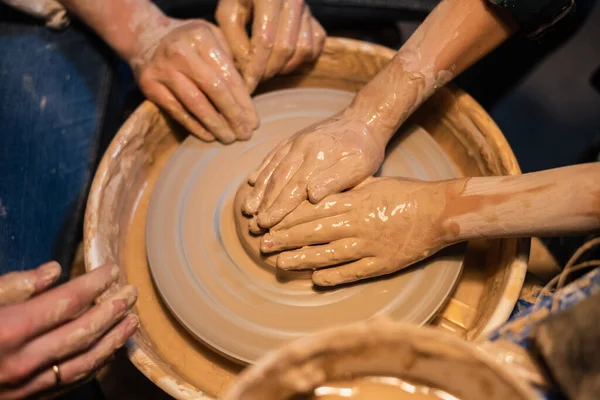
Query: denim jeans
{"type": "Point", "coordinates": [54, 90]}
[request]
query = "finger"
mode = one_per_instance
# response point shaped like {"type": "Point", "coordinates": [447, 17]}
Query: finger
{"type": "Point", "coordinates": [16, 287]}
{"type": "Point", "coordinates": [219, 93]}
{"type": "Point", "coordinates": [255, 174]}
{"type": "Point", "coordinates": [307, 212]}
{"type": "Point", "coordinates": [254, 228]}
{"type": "Point", "coordinates": [287, 35]}
{"type": "Point", "coordinates": [81, 366]}
{"type": "Point", "coordinates": [316, 232]}
{"type": "Point", "coordinates": [195, 101]}
{"type": "Point", "coordinates": [232, 17]}
{"type": "Point", "coordinates": [264, 31]}
{"type": "Point", "coordinates": [275, 198]}
{"type": "Point", "coordinates": [218, 35]}
{"type": "Point", "coordinates": [345, 174]}
{"type": "Point", "coordinates": [53, 308]}
{"type": "Point", "coordinates": [73, 337]}
{"type": "Point", "coordinates": [290, 197]}
{"type": "Point", "coordinates": [255, 198]}
{"type": "Point", "coordinates": [364, 268]}
{"type": "Point", "coordinates": [223, 65]}
{"type": "Point", "coordinates": [159, 94]}
{"type": "Point", "coordinates": [304, 47]}
{"type": "Point", "coordinates": [318, 39]}
{"type": "Point", "coordinates": [313, 257]}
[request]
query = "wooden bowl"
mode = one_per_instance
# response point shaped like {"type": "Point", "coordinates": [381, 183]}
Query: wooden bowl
{"type": "Point", "coordinates": [380, 349]}
{"type": "Point", "coordinates": [115, 219]}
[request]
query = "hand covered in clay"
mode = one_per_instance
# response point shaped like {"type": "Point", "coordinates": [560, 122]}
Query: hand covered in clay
{"type": "Point", "coordinates": [186, 69]}
{"type": "Point", "coordinates": [379, 227]}
{"type": "Point", "coordinates": [284, 35]}
{"type": "Point", "coordinates": [43, 327]}
{"type": "Point", "coordinates": [326, 158]}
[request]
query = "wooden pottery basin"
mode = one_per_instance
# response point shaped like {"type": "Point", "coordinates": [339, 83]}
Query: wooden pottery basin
{"type": "Point", "coordinates": [380, 360]}
{"type": "Point", "coordinates": [115, 221]}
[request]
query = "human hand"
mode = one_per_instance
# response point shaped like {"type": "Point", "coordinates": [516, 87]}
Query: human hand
{"type": "Point", "coordinates": [186, 69]}
{"type": "Point", "coordinates": [379, 227]}
{"type": "Point", "coordinates": [42, 327]}
{"type": "Point", "coordinates": [326, 158]}
{"type": "Point", "coordinates": [284, 35]}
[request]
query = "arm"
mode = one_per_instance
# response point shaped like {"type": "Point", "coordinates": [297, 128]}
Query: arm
{"type": "Point", "coordinates": [342, 151]}
{"type": "Point", "coordinates": [558, 202]}
{"type": "Point", "coordinates": [386, 224]}
{"type": "Point", "coordinates": [126, 26]}
{"type": "Point", "coordinates": [453, 37]}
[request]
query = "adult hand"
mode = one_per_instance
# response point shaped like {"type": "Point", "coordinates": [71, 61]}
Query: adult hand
{"type": "Point", "coordinates": [326, 158]}
{"type": "Point", "coordinates": [186, 69]}
{"type": "Point", "coordinates": [379, 227]}
{"type": "Point", "coordinates": [43, 327]}
{"type": "Point", "coordinates": [284, 35]}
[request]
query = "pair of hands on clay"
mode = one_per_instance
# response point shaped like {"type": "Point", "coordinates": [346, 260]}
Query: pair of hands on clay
{"type": "Point", "coordinates": [378, 227]}
{"type": "Point", "coordinates": [189, 70]}
{"type": "Point", "coordinates": [42, 327]}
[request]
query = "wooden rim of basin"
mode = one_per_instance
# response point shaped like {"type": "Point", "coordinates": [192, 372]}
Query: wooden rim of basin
{"type": "Point", "coordinates": [344, 64]}
{"type": "Point", "coordinates": [374, 348]}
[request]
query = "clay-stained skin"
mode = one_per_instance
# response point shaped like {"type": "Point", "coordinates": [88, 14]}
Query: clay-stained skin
{"type": "Point", "coordinates": [377, 228]}
{"type": "Point", "coordinates": [330, 156]}
{"type": "Point", "coordinates": [60, 326]}
{"type": "Point", "coordinates": [184, 66]}
{"type": "Point", "coordinates": [16, 287]}
{"type": "Point", "coordinates": [284, 35]}
{"type": "Point", "coordinates": [191, 74]}
{"type": "Point", "coordinates": [455, 35]}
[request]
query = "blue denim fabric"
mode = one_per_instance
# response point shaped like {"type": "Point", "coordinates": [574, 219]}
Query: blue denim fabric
{"type": "Point", "coordinates": [53, 91]}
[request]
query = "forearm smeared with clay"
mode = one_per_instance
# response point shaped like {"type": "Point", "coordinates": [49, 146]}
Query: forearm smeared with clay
{"type": "Point", "coordinates": [454, 36]}
{"type": "Point", "coordinates": [126, 25]}
{"type": "Point", "coordinates": [386, 224]}
{"type": "Point", "coordinates": [559, 202]}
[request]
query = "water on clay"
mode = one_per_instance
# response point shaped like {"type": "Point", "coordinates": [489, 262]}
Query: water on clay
{"type": "Point", "coordinates": [376, 388]}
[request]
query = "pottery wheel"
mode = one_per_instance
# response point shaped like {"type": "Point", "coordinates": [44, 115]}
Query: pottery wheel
{"type": "Point", "coordinates": [238, 307]}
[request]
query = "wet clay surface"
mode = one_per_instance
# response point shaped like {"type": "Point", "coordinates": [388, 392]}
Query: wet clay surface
{"type": "Point", "coordinates": [219, 292]}
{"type": "Point", "coordinates": [376, 388]}
{"type": "Point", "coordinates": [116, 217]}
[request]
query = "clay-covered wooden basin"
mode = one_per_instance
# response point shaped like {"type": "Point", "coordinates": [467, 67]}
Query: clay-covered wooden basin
{"type": "Point", "coordinates": [395, 361]}
{"type": "Point", "coordinates": [115, 220]}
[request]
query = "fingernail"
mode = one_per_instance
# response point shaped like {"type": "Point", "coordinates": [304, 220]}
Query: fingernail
{"type": "Point", "coordinates": [127, 293]}
{"type": "Point", "coordinates": [250, 206]}
{"type": "Point", "coordinates": [245, 132]}
{"type": "Point", "coordinates": [251, 83]}
{"type": "Point", "coordinates": [252, 178]}
{"type": "Point", "coordinates": [114, 272]}
{"type": "Point", "coordinates": [254, 228]}
{"type": "Point", "coordinates": [48, 274]}
{"type": "Point", "coordinates": [133, 322]}
{"type": "Point", "coordinates": [263, 220]}
{"type": "Point", "coordinates": [266, 243]}
{"type": "Point", "coordinates": [254, 119]}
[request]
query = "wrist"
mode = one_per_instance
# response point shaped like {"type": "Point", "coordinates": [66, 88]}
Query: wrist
{"type": "Point", "coordinates": [372, 125]}
{"type": "Point", "coordinates": [394, 94]}
{"type": "Point", "coordinates": [147, 36]}
{"type": "Point", "coordinates": [454, 228]}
